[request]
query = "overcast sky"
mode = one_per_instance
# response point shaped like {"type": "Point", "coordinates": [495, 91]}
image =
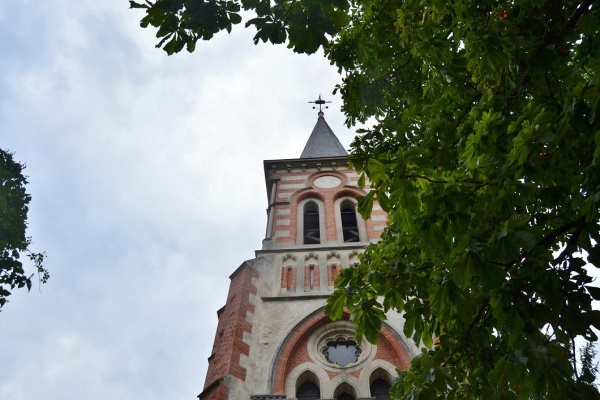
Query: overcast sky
{"type": "Point", "coordinates": [148, 191]}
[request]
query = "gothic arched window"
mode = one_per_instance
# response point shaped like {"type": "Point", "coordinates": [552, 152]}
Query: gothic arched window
{"type": "Point", "coordinates": [344, 392]}
{"type": "Point", "coordinates": [349, 223]}
{"type": "Point", "coordinates": [380, 389]}
{"type": "Point", "coordinates": [308, 391]}
{"type": "Point", "coordinates": [312, 233]}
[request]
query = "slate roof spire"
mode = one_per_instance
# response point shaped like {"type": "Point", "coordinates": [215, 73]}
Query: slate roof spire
{"type": "Point", "coordinates": [322, 141]}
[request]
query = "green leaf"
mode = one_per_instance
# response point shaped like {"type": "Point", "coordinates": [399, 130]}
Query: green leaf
{"type": "Point", "coordinates": [383, 200]}
{"type": "Point", "coordinates": [365, 204]}
{"type": "Point", "coordinates": [377, 170]}
{"type": "Point", "coordinates": [594, 292]}
{"type": "Point", "coordinates": [427, 337]}
{"type": "Point", "coordinates": [361, 181]}
{"type": "Point", "coordinates": [497, 376]}
{"type": "Point", "coordinates": [335, 305]}
{"type": "Point", "coordinates": [191, 46]}
{"type": "Point", "coordinates": [133, 4]}
{"type": "Point", "coordinates": [235, 18]}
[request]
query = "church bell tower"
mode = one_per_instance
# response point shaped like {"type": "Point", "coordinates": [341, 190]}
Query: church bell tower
{"type": "Point", "coordinates": [273, 340]}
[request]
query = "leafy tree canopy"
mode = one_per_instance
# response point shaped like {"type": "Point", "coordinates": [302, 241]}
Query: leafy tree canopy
{"type": "Point", "coordinates": [13, 224]}
{"type": "Point", "coordinates": [485, 153]}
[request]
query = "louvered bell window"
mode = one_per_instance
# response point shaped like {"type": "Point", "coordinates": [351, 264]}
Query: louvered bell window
{"type": "Point", "coordinates": [349, 223]}
{"type": "Point", "coordinates": [312, 234]}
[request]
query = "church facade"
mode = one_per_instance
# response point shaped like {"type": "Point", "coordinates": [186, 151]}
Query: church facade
{"type": "Point", "coordinates": [273, 340]}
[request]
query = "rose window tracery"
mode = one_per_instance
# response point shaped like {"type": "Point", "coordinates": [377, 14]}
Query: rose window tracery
{"type": "Point", "coordinates": [341, 352]}
{"type": "Point", "coordinates": [334, 347]}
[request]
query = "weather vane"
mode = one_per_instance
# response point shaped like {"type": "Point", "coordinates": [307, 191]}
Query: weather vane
{"type": "Point", "coordinates": [320, 102]}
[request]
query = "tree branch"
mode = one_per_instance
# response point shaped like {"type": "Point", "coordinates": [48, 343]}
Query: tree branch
{"type": "Point", "coordinates": [552, 236]}
{"type": "Point", "coordinates": [571, 244]}
{"type": "Point", "coordinates": [582, 9]}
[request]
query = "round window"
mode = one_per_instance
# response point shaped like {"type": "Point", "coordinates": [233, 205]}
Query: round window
{"type": "Point", "coordinates": [341, 352]}
{"type": "Point", "coordinates": [334, 346]}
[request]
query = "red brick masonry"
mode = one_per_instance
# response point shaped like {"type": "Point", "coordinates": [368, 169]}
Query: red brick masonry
{"type": "Point", "coordinates": [229, 344]}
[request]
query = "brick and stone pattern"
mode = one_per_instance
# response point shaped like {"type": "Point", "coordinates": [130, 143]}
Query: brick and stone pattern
{"type": "Point", "coordinates": [295, 182]}
{"type": "Point", "coordinates": [333, 270]}
{"type": "Point", "coordinates": [312, 279]}
{"type": "Point", "coordinates": [288, 279]}
{"type": "Point", "coordinates": [230, 345]}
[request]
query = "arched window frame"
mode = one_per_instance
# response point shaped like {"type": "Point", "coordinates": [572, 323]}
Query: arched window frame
{"type": "Point", "coordinates": [345, 387]}
{"type": "Point", "coordinates": [362, 229]}
{"type": "Point", "coordinates": [307, 376]}
{"type": "Point", "coordinates": [334, 267]}
{"type": "Point", "coordinates": [312, 272]}
{"type": "Point", "coordinates": [300, 219]}
{"type": "Point", "coordinates": [289, 274]}
{"type": "Point", "coordinates": [300, 374]}
{"type": "Point", "coordinates": [379, 374]}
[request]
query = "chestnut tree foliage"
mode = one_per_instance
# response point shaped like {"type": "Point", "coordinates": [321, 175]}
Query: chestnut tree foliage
{"type": "Point", "coordinates": [14, 244]}
{"type": "Point", "coordinates": [484, 151]}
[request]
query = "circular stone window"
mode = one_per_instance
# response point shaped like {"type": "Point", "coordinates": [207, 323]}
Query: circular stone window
{"type": "Point", "coordinates": [334, 346]}
{"type": "Point", "coordinates": [327, 182]}
{"type": "Point", "coordinates": [341, 352]}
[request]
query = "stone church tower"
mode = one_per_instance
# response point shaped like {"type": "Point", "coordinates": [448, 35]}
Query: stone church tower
{"type": "Point", "coordinates": [273, 340]}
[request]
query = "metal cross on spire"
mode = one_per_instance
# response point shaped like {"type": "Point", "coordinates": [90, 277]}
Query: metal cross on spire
{"type": "Point", "coordinates": [320, 102]}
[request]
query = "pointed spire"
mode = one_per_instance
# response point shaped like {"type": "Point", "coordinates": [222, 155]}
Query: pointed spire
{"type": "Point", "coordinates": [322, 141]}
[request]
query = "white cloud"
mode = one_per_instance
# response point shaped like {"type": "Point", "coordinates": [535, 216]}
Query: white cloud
{"type": "Point", "coordinates": [148, 191]}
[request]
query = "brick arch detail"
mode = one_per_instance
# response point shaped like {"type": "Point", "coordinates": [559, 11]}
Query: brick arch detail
{"type": "Point", "coordinates": [293, 350]}
{"type": "Point", "coordinates": [304, 194]}
{"type": "Point", "coordinates": [349, 192]}
{"type": "Point", "coordinates": [289, 354]}
{"type": "Point", "coordinates": [391, 349]}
